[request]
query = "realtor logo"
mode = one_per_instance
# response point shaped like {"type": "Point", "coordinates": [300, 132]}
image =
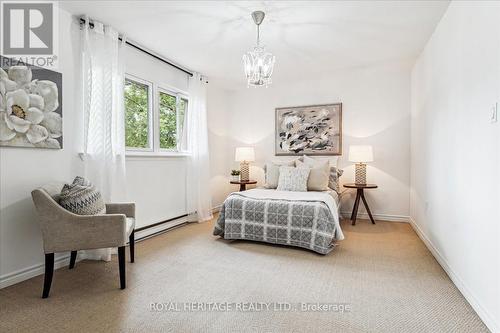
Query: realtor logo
{"type": "Point", "coordinates": [28, 28]}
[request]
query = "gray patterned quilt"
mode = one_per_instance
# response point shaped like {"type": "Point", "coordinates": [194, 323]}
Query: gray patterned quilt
{"type": "Point", "coordinates": [304, 219]}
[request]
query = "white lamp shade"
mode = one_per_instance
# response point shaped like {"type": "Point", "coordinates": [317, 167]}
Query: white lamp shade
{"type": "Point", "coordinates": [360, 154]}
{"type": "Point", "coordinates": [244, 154]}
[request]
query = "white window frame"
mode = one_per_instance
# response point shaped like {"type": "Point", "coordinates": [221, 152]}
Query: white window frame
{"type": "Point", "coordinates": [154, 90]}
{"type": "Point", "coordinates": [150, 114]}
{"type": "Point", "coordinates": [179, 97]}
{"type": "Point", "coordinates": [178, 94]}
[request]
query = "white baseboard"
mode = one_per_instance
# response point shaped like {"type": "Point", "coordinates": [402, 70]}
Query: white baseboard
{"type": "Point", "coordinates": [162, 227]}
{"type": "Point", "coordinates": [38, 269]}
{"type": "Point", "coordinates": [486, 317]}
{"type": "Point", "coordinates": [381, 217]}
{"type": "Point", "coordinates": [29, 272]}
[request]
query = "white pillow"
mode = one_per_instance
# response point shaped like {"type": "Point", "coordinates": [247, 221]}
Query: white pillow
{"type": "Point", "coordinates": [311, 162]}
{"type": "Point", "coordinates": [334, 160]}
{"type": "Point", "coordinates": [319, 175]}
{"type": "Point", "coordinates": [272, 170]}
{"type": "Point", "coordinates": [293, 179]}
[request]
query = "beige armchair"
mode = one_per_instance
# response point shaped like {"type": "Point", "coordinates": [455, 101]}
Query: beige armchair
{"type": "Point", "coordinates": [64, 231]}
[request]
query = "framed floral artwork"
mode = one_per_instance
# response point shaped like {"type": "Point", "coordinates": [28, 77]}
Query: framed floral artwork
{"type": "Point", "coordinates": [310, 130]}
{"type": "Point", "coordinates": [30, 106]}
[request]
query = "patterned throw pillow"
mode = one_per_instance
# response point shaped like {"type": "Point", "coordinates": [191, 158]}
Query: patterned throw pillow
{"type": "Point", "coordinates": [272, 171]}
{"type": "Point", "coordinates": [333, 181]}
{"type": "Point", "coordinates": [293, 179]}
{"type": "Point", "coordinates": [82, 198]}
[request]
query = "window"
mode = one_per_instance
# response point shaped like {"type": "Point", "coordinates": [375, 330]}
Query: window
{"type": "Point", "coordinates": [137, 114]}
{"type": "Point", "coordinates": [168, 121]}
{"type": "Point", "coordinates": [153, 127]}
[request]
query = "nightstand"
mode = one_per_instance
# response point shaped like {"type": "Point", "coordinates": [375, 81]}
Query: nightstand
{"type": "Point", "coordinates": [243, 183]}
{"type": "Point", "coordinates": [360, 194]}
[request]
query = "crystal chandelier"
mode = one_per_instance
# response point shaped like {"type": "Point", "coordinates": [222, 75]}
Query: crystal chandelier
{"type": "Point", "coordinates": [258, 63]}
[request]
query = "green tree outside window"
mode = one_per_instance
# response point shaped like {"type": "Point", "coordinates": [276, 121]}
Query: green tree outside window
{"type": "Point", "coordinates": [171, 112]}
{"type": "Point", "coordinates": [168, 121]}
{"type": "Point", "coordinates": [136, 114]}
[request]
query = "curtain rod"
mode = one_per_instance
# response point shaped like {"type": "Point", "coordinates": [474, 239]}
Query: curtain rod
{"type": "Point", "coordinates": [137, 47]}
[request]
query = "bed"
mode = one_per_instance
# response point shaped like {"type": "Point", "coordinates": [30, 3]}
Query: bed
{"type": "Point", "coordinates": [303, 219]}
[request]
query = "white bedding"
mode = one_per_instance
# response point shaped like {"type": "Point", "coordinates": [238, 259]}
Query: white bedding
{"type": "Point", "coordinates": [330, 198]}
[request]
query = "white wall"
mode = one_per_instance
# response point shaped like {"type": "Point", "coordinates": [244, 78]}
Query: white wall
{"type": "Point", "coordinates": [23, 169]}
{"type": "Point", "coordinates": [219, 134]}
{"type": "Point", "coordinates": [376, 111]}
{"type": "Point", "coordinates": [156, 184]}
{"type": "Point", "coordinates": [455, 149]}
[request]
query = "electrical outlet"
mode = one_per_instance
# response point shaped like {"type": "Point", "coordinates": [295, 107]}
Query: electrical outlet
{"type": "Point", "coordinates": [494, 113]}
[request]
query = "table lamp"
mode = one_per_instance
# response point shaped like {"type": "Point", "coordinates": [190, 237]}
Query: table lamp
{"type": "Point", "coordinates": [244, 155]}
{"type": "Point", "coordinates": [360, 155]}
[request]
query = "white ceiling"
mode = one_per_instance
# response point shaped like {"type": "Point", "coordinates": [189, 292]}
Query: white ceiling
{"type": "Point", "coordinates": [307, 37]}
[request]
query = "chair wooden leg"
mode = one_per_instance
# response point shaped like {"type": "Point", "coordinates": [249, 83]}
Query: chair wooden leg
{"type": "Point", "coordinates": [72, 259]}
{"type": "Point", "coordinates": [49, 273]}
{"type": "Point", "coordinates": [121, 264]}
{"type": "Point", "coordinates": [132, 246]}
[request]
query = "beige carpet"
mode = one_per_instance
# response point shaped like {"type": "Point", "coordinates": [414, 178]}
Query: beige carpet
{"type": "Point", "coordinates": [383, 272]}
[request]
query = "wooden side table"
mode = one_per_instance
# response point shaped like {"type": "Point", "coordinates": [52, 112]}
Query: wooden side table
{"type": "Point", "coordinates": [243, 183]}
{"type": "Point", "coordinates": [360, 194]}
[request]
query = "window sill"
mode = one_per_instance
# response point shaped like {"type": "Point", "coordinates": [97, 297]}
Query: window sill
{"type": "Point", "coordinates": [153, 154]}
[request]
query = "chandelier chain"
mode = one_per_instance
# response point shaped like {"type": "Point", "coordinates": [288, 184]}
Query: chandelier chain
{"type": "Point", "coordinates": [258, 35]}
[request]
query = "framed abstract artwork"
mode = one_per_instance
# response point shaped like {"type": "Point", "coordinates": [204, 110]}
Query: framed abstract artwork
{"type": "Point", "coordinates": [30, 106]}
{"type": "Point", "coordinates": [310, 130]}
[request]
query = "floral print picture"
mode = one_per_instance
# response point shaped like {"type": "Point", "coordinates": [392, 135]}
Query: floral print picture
{"type": "Point", "coordinates": [30, 106]}
{"type": "Point", "coordinates": [310, 130]}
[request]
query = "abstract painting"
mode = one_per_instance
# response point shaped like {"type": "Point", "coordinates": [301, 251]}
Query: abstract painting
{"type": "Point", "coordinates": [30, 106]}
{"type": "Point", "coordinates": [310, 130]}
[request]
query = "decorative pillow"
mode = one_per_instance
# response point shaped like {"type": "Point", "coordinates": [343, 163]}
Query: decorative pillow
{"type": "Point", "coordinates": [81, 181]}
{"type": "Point", "coordinates": [293, 179]}
{"type": "Point", "coordinates": [311, 162]}
{"type": "Point", "coordinates": [319, 175]}
{"type": "Point", "coordinates": [333, 181]}
{"type": "Point", "coordinates": [82, 198]}
{"type": "Point", "coordinates": [272, 171]}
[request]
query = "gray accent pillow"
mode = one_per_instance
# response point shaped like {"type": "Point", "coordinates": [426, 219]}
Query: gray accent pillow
{"type": "Point", "coordinates": [333, 181]}
{"type": "Point", "coordinates": [319, 175]}
{"type": "Point", "coordinates": [272, 171]}
{"type": "Point", "coordinates": [293, 179]}
{"type": "Point", "coordinates": [82, 198]}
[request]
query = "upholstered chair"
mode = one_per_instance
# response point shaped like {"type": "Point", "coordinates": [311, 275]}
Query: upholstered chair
{"type": "Point", "coordinates": [64, 231]}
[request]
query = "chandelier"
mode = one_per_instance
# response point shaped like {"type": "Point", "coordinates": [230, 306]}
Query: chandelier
{"type": "Point", "coordinates": [258, 63]}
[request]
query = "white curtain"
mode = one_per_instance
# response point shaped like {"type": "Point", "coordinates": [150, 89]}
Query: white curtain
{"type": "Point", "coordinates": [101, 94]}
{"type": "Point", "coordinates": [195, 141]}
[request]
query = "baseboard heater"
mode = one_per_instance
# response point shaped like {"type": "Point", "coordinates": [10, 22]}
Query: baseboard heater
{"type": "Point", "coordinates": [159, 224]}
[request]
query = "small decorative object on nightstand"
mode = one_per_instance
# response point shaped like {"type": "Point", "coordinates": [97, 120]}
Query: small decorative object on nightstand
{"type": "Point", "coordinates": [244, 155]}
{"type": "Point", "coordinates": [235, 175]}
{"type": "Point", "coordinates": [360, 195]}
{"type": "Point", "coordinates": [360, 155]}
{"type": "Point", "coordinates": [243, 184]}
